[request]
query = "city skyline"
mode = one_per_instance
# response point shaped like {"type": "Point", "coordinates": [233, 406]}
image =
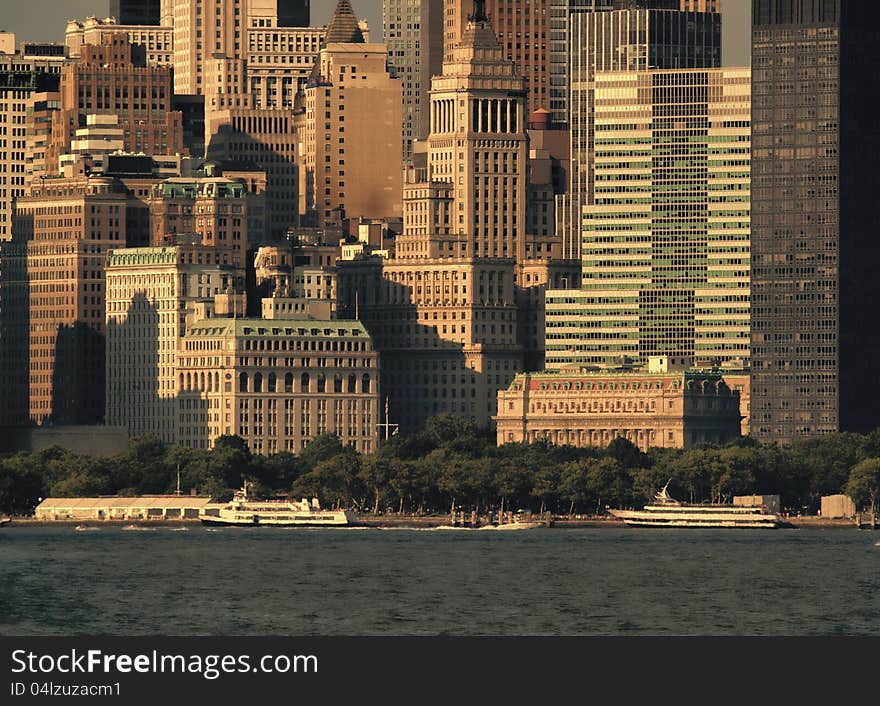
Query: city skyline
{"type": "Point", "coordinates": [44, 20]}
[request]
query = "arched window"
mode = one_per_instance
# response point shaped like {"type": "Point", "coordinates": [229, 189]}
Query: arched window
{"type": "Point", "coordinates": [217, 382]}
{"type": "Point", "coordinates": [352, 383]}
{"type": "Point", "coordinates": [242, 382]}
{"type": "Point", "coordinates": [181, 381]}
{"type": "Point", "coordinates": [288, 382]}
{"type": "Point", "coordinates": [322, 383]}
{"type": "Point", "coordinates": [365, 383]}
{"type": "Point", "coordinates": [304, 383]}
{"type": "Point", "coordinates": [337, 383]}
{"type": "Point", "coordinates": [210, 382]}
{"type": "Point", "coordinates": [258, 382]}
{"type": "Point", "coordinates": [271, 385]}
{"type": "Point", "coordinates": [188, 381]}
{"type": "Point", "coordinates": [201, 381]}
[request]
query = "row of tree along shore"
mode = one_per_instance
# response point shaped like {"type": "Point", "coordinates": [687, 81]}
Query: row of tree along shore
{"type": "Point", "coordinates": [451, 463]}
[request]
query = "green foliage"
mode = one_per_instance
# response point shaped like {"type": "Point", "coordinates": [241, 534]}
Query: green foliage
{"type": "Point", "coordinates": [450, 461]}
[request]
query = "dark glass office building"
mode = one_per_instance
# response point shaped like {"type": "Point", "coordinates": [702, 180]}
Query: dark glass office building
{"type": "Point", "coordinates": [293, 13]}
{"type": "Point", "coordinates": [815, 242]}
{"type": "Point", "coordinates": [135, 12]}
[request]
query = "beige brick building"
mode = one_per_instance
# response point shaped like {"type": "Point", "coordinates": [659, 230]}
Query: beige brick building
{"type": "Point", "coordinates": [667, 410]}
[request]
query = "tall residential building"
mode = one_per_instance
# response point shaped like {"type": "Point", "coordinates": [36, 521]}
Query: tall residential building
{"type": "Point", "coordinates": [646, 37]}
{"type": "Point", "coordinates": [20, 80]}
{"type": "Point", "coordinates": [815, 135]}
{"type": "Point", "coordinates": [666, 241]}
{"type": "Point", "coordinates": [14, 334]}
{"type": "Point", "coordinates": [152, 294]}
{"type": "Point", "coordinates": [106, 81]}
{"type": "Point", "coordinates": [68, 225]}
{"type": "Point", "coordinates": [413, 33]}
{"type": "Point", "coordinates": [349, 124]}
{"type": "Point", "coordinates": [135, 12]}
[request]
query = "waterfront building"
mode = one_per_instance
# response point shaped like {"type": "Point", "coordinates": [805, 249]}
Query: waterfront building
{"type": "Point", "coordinates": [814, 259]}
{"type": "Point", "coordinates": [349, 123]}
{"type": "Point", "coordinates": [665, 243]}
{"type": "Point", "coordinates": [413, 33]}
{"type": "Point", "coordinates": [152, 293]}
{"type": "Point", "coordinates": [650, 409]}
{"type": "Point", "coordinates": [278, 383]}
{"type": "Point", "coordinates": [143, 507]}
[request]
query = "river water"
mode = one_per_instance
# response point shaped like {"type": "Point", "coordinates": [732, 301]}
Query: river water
{"type": "Point", "coordinates": [606, 581]}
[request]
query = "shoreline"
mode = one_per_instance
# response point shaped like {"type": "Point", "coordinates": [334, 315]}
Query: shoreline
{"type": "Point", "coordinates": [417, 522]}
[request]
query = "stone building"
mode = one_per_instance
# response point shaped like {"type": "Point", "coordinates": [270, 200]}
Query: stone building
{"type": "Point", "coordinates": [667, 410]}
{"type": "Point", "coordinates": [278, 383]}
{"type": "Point", "coordinates": [154, 43]}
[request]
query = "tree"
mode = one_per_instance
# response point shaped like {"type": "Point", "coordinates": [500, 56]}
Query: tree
{"type": "Point", "coordinates": [864, 483]}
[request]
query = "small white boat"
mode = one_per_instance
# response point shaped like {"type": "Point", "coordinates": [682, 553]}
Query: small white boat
{"type": "Point", "coordinates": [138, 528]}
{"type": "Point", "coordinates": [5, 520]}
{"type": "Point", "coordinates": [86, 528]}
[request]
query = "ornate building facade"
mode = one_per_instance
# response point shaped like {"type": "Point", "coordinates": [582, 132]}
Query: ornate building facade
{"type": "Point", "coordinates": [666, 410]}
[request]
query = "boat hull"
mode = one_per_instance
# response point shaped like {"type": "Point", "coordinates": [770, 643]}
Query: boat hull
{"type": "Point", "coordinates": [220, 522]}
{"type": "Point", "coordinates": [635, 518]}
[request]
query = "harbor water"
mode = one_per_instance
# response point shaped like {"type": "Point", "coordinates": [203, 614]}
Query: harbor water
{"type": "Point", "coordinates": [55, 580]}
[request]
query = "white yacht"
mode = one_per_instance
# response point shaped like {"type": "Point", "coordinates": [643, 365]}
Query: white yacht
{"type": "Point", "coordinates": [243, 512]}
{"type": "Point", "coordinates": [665, 511]}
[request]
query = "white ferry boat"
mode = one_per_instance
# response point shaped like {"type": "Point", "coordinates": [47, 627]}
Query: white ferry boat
{"type": "Point", "coordinates": [665, 511]}
{"type": "Point", "coordinates": [242, 512]}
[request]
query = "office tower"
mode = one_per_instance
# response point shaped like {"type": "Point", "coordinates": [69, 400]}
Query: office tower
{"type": "Point", "coordinates": [68, 225]}
{"type": "Point", "coordinates": [135, 12]}
{"type": "Point", "coordinates": [349, 125]}
{"type": "Point", "coordinates": [815, 138]}
{"type": "Point", "coordinates": [105, 81]}
{"type": "Point", "coordinates": [666, 241]}
{"type": "Point", "coordinates": [627, 40]}
{"type": "Point", "coordinates": [20, 79]}
{"type": "Point", "coordinates": [413, 33]}
{"type": "Point", "coordinates": [524, 32]}
{"type": "Point", "coordinates": [152, 293]}
{"type": "Point", "coordinates": [288, 380]}
{"type": "Point", "coordinates": [293, 13]}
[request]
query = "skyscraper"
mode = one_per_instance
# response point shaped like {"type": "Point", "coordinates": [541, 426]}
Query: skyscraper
{"type": "Point", "coordinates": [815, 342]}
{"type": "Point", "coordinates": [413, 33]}
{"type": "Point", "coordinates": [648, 36]}
{"type": "Point", "coordinates": [666, 241]}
